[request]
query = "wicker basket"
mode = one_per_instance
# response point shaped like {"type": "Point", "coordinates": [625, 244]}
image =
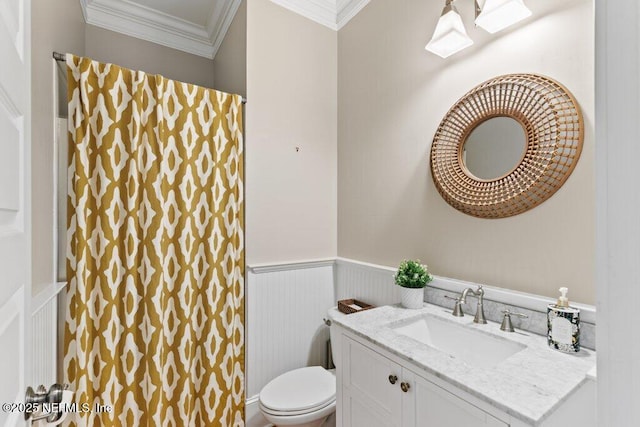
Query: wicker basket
{"type": "Point", "coordinates": [346, 306]}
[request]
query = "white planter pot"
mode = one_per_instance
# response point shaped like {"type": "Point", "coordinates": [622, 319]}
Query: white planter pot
{"type": "Point", "coordinates": [412, 297]}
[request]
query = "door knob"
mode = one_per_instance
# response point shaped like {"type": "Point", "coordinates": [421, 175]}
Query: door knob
{"type": "Point", "coordinates": [393, 379]}
{"type": "Point", "coordinates": [405, 386]}
{"type": "Point", "coordinates": [41, 404]}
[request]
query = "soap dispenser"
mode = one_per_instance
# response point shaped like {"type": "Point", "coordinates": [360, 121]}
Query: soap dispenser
{"type": "Point", "coordinates": [563, 325]}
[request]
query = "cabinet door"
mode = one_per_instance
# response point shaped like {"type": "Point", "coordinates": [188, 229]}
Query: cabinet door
{"type": "Point", "coordinates": [360, 412]}
{"type": "Point", "coordinates": [433, 406]}
{"type": "Point", "coordinates": [369, 397]}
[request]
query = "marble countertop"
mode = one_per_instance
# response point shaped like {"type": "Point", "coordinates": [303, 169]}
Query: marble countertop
{"type": "Point", "coordinates": [528, 385]}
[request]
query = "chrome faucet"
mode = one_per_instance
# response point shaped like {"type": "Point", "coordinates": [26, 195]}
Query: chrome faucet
{"type": "Point", "coordinates": [457, 309]}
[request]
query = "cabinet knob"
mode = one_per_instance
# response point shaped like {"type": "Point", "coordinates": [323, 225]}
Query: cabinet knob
{"type": "Point", "coordinates": [393, 379]}
{"type": "Point", "coordinates": [405, 386]}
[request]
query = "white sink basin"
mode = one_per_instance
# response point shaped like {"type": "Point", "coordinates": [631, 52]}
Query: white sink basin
{"type": "Point", "coordinates": [460, 341]}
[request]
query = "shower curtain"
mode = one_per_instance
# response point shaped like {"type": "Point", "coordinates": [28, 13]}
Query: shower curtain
{"type": "Point", "coordinates": [154, 332]}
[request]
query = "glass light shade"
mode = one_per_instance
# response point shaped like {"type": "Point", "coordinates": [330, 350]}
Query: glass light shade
{"type": "Point", "coordinates": [497, 15]}
{"type": "Point", "coordinates": [450, 36]}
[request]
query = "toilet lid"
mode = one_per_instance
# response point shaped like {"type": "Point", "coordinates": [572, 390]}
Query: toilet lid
{"type": "Point", "coordinates": [299, 390]}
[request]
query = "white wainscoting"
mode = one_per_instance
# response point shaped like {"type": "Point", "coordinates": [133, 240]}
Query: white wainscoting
{"type": "Point", "coordinates": [286, 305]}
{"type": "Point", "coordinates": [370, 283]}
{"type": "Point", "coordinates": [44, 334]}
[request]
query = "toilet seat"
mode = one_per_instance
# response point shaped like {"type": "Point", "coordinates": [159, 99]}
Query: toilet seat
{"type": "Point", "coordinates": [299, 392]}
{"type": "Point", "coordinates": [265, 410]}
{"type": "Point", "coordinates": [310, 419]}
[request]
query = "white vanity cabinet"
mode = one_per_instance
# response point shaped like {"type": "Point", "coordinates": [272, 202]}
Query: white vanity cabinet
{"type": "Point", "coordinates": [385, 378]}
{"type": "Point", "coordinates": [371, 387]}
{"type": "Point", "coordinates": [378, 392]}
{"type": "Point", "coordinates": [431, 405]}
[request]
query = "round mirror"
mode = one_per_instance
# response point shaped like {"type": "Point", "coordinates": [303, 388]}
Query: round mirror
{"type": "Point", "coordinates": [494, 148]}
{"type": "Point", "coordinates": [503, 180]}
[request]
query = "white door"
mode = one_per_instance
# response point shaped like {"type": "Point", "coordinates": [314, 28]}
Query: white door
{"type": "Point", "coordinates": [15, 217]}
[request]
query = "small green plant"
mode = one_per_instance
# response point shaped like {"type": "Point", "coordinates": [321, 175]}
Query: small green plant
{"type": "Point", "coordinates": [412, 274]}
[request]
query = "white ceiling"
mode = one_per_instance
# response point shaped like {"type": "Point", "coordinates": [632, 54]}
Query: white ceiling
{"type": "Point", "coordinates": [199, 26]}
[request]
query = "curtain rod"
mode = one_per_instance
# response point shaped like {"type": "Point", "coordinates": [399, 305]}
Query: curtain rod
{"type": "Point", "coordinates": [63, 57]}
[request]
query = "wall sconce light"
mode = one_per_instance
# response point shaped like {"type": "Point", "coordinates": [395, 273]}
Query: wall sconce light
{"type": "Point", "coordinates": [496, 15]}
{"type": "Point", "coordinates": [450, 35]}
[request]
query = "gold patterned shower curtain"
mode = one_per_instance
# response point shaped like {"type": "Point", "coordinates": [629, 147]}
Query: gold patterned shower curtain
{"type": "Point", "coordinates": [154, 331]}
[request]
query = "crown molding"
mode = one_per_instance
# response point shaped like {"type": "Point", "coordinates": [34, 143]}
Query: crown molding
{"type": "Point", "coordinates": [220, 22]}
{"type": "Point", "coordinates": [145, 23]}
{"type": "Point", "coordinates": [331, 13]}
{"type": "Point", "coordinates": [348, 9]}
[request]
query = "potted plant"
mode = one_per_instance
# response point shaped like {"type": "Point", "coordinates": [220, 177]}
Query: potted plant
{"type": "Point", "coordinates": [412, 277]}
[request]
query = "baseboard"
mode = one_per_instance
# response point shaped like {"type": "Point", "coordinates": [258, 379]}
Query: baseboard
{"type": "Point", "coordinates": [253, 416]}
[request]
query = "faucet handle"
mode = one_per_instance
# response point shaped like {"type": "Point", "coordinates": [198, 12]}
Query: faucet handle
{"type": "Point", "coordinates": [508, 312]}
{"type": "Point", "coordinates": [457, 308]}
{"type": "Point", "coordinates": [506, 325]}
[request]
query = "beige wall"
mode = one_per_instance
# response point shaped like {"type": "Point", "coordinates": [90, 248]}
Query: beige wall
{"type": "Point", "coordinates": [392, 95]}
{"type": "Point", "coordinates": [230, 63]}
{"type": "Point", "coordinates": [108, 46]}
{"type": "Point", "coordinates": [291, 90]}
{"type": "Point", "coordinates": [57, 26]}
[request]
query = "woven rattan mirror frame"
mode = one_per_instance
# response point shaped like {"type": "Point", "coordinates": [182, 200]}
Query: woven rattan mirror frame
{"type": "Point", "coordinates": [554, 128]}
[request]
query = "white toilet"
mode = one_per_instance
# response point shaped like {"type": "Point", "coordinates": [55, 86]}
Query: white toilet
{"type": "Point", "coordinates": [304, 397]}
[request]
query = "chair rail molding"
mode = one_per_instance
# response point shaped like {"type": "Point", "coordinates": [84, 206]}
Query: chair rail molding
{"type": "Point", "coordinates": [290, 265]}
